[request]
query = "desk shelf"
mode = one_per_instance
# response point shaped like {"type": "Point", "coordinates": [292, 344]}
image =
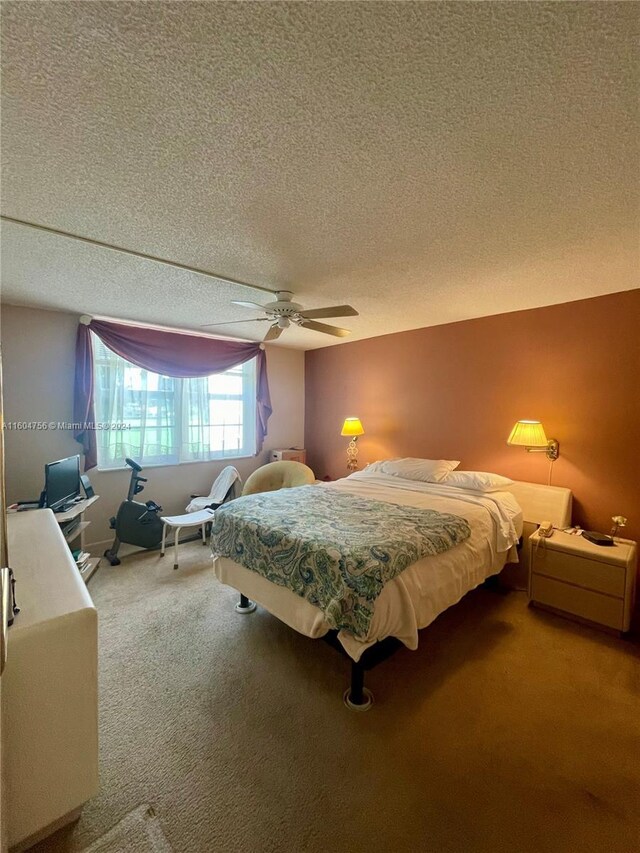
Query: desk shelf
{"type": "Point", "coordinates": [79, 509]}
{"type": "Point", "coordinates": [90, 569]}
{"type": "Point", "coordinates": [76, 510]}
{"type": "Point", "coordinates": [76, 531]}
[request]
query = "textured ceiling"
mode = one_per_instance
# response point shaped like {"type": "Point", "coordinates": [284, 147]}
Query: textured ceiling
{"type": "Point", "coordinates": [425, 162]}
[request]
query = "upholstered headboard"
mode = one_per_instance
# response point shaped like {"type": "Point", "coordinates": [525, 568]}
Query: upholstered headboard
{"type": "Point", "coordinates": [543, 503]}
{"type": "Point", "coordinates": [539, 503]}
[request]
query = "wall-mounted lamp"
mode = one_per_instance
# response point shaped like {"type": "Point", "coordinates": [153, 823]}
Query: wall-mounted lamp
{"type": "Point", "coordinates": [352, 427]}
{"type": "Point", "coordinates": [531, 435]}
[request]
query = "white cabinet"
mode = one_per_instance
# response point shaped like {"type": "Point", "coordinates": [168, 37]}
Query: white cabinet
{"type": "Point", "coordinates": [292, 455]}
{"type": "Point", "coordinates": [50, 684]}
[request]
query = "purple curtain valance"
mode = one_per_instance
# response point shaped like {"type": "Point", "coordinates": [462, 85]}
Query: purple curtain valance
{"type": "Point", "coordinates": [167, 353]}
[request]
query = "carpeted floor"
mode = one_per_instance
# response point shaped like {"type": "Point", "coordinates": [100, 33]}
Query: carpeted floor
{"type": "Point", "coordinates": [508, 730]}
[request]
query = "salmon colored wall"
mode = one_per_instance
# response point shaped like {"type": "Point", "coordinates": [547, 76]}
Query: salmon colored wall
{"type": "Point", "coordinates": [455, 391]}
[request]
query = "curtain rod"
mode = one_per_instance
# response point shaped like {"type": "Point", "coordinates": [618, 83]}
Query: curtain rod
{"type": "Point", "coordinates": [86, 319]}
{"type": "Point", "coordinates": [134, 253]}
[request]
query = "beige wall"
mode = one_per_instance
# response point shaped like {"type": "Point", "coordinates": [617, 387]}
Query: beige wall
{"type": "Point", "coordinates": [38, 360]}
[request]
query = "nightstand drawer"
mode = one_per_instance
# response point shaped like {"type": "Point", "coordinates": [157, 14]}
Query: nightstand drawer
{"type": "Point", "coordinates": [580, 602]}
{"type": "Point", "coordinates": [590, 574]}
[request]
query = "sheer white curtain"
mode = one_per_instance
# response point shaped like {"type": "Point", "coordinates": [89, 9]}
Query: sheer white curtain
{"type": "Point", "coordinates": [196, 432]}
{"type": "Point", "coordinates": [161, 420]}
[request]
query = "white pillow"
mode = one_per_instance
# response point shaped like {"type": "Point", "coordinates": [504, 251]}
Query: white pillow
{"type": "Point", "coordinates": [374, 467]}
{"type": "Point", "coordinates": [478, 481]}
{"type": "Point", "coordinates": [424, 470]}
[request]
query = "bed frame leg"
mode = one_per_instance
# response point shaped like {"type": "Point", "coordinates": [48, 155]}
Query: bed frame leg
{"type": "Point", "coordinates": [244, 605]}
{"type": "Point", "coordinates": [357, 697]}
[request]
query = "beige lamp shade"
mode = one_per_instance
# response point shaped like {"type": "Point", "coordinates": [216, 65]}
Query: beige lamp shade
{"type": "Point", "coordinates": [528, 434]}
{"type": "Point", "coordinates": [352, 426]}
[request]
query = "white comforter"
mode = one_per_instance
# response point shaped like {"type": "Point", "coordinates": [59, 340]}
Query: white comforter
{"type": "Point", "coordinates": [424, 590]}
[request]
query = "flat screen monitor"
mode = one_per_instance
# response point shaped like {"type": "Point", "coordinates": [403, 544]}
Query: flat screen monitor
{"type": "Point", "coordinates": [62, 483]}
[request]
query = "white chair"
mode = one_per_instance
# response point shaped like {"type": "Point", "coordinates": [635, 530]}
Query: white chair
{"type": "Point", "coordinates": [200, 510]}
{"type": "Point", "coordinates": [285, 474]}
{"type": "Point", "coordinates": [177, 522]}
{"type": "Point", "coordinates": [226, 487]}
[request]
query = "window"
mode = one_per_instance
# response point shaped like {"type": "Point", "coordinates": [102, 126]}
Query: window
{"type": "Point", "coordinates": [167, 421]}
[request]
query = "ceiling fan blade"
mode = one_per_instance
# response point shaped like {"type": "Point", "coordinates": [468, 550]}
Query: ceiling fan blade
{"type": "Point", "coordinates": [334, 311]}
{"type": "Point", "coordinates": [328, 330]}
{"type": "Point", "coordinates": [274, 332]}
{"type": "Point", "coordinates": [231, 322]}
{"type": "Point", "coordinates": [247, 304]}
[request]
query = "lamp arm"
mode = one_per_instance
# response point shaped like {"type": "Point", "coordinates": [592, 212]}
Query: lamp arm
{"type": "Point", "coordinates": [552, 449]}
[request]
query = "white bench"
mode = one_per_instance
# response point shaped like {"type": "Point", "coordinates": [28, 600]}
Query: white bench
{"type": "Point", "coordinates": [177, 522]}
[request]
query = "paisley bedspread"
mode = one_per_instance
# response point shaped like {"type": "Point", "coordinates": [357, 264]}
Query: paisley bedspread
{"type": "Point", "coordinates": [335, 550]}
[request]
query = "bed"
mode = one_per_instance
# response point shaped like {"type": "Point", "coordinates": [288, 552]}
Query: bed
{"type": "Point", "coordinates": [492, 523]}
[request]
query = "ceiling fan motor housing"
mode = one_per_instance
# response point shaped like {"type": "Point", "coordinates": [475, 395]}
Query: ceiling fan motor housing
{"type": "Point", "coordinates": [283, 306]}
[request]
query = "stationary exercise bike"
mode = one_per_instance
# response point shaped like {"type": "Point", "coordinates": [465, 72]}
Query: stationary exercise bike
{"type": "Point", "coordinates": [135, 523]}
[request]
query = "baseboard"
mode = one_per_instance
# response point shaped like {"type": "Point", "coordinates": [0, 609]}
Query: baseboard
{"type": "Point", "coordinates": [97, 549]}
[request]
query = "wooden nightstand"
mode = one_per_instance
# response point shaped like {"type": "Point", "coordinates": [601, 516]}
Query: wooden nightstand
{"type": "Point", "coordinates": [590, 583]}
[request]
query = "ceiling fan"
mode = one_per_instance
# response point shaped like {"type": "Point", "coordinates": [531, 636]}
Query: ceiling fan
{"type": "Point", "coordinates": [283, 312]}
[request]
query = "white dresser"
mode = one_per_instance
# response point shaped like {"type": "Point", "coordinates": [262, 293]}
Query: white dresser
{"type": "Point", "coordinates": [50, 684]}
